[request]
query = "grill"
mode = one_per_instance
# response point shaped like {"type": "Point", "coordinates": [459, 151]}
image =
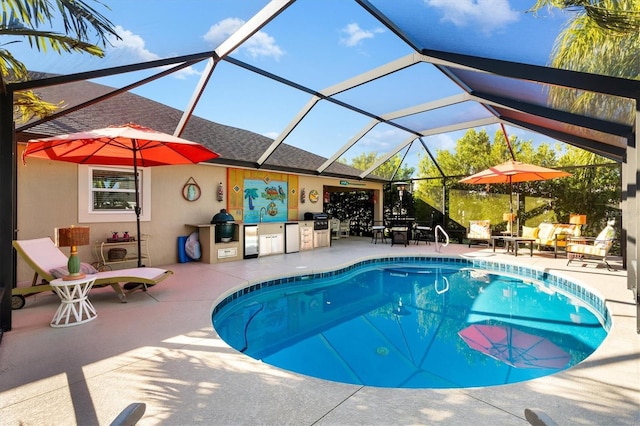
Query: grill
{"type": "Point", "coordinates": [320, 220]}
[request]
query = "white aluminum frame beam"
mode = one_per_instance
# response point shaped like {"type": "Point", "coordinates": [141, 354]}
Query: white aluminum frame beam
{"type": "Point", "coordinates": [248, 29]}
{"type": "Point", "coordinates": [345, 148]}
{"type": "Point", "coordinates": [387, 156]}
{"type": "Point", "coordinates": [431, 132]}
{"type": "Point", "coordinates": [292, 125]}
{"type": "Point", "coordinates": [350, 83]}
{"type": "Point", "coordinates": [439, 103]}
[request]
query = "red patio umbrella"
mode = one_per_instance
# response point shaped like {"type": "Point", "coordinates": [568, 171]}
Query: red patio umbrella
{"type": "Point", "coordinates": [126, 145]}
{"type": "Point", "coordinates": [514, 347]}
{"type": "Point", "coordinates": [512, 172]}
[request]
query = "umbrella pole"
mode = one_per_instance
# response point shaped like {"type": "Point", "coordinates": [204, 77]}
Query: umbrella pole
{"type": "Point", "coordinates": [511, 205]}
{"type": "Point", "coordinates": [137, 208]}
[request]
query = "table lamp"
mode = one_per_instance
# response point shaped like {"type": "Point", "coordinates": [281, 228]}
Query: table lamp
{"type": "Point", "coordinates": [509, 218]}
{"type": "Point", "coordinates": [579, 220]}
{"type": "Point", "coordinates": [73, 237]}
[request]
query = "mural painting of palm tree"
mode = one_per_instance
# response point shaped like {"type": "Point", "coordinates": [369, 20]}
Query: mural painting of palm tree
{"type": "Point", "coordinates": [251, 194]}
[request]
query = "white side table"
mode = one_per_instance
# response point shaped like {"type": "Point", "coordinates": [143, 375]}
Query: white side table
{"type": "Point", "coordinates": [75, 307]}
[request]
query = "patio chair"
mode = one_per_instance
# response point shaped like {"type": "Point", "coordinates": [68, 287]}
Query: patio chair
{"type": "Point", "coordinates": [345, 229]}
{"type": "Point", "coordinates": [479, 231]}
{"type": "Point", "coordinates": [378, 230]}
{"type": "Point", "coordinates": [580, 248]}
{"type": "Point", "coordinates": [423, 231]}
{"type": "Point", "coordinates": [335, 229]}
{"type": "Point", "coordinates": [49, 262]}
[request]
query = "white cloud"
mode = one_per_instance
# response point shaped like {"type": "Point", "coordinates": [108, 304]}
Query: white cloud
{"type": "Point", "coordinates": [132, 45]}
{"type": "Point", "coordinates": [222, 30]}
{"type": "Point", "coordinates": [442, 142]}
{"type": "Point", "coordinates": [355, 34]}
{"type": "Point", "coordinates": [487, 15]}
{"type": "Point", "coordinates": [381, 140]}
{"type": "Point", "coordinates": [260, 44]}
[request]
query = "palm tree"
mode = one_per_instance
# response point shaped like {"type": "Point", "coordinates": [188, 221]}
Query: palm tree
{"type": "Point", "coordinates": [603, 37]}
{"type": "Point", "coordinates": [22, 19]}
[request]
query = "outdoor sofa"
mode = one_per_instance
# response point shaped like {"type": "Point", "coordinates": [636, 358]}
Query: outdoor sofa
{"type": "Point", "coordinates": [551, 235]}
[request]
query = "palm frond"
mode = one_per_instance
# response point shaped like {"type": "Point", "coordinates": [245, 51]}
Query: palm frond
{"type": "Point", "coordinates": [9, 63]}
{"type": "Point", "coordinates": [28, 105]}
{"type": "Point", "coordinates": [56, 41]}
{"type": "Point", "coordinates": [77, 17]}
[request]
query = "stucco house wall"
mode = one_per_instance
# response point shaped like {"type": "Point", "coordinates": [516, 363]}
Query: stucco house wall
{"type": "Point", "coordinates": [48, 198]}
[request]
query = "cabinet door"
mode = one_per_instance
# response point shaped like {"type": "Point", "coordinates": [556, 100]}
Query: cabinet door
{"type": "Point", "coordinates": [277, 243]}
{"type": "Point", "coordinates": [265, 245]}
{"type": "Point", "coordinates": [306, 238]}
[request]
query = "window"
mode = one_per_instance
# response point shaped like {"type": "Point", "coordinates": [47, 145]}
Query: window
{"type": "Point", "coordinates": [107, 194]}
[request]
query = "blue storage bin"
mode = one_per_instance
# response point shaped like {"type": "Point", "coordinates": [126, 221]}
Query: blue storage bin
{"type": "Point", "coordinates": [182, 254]}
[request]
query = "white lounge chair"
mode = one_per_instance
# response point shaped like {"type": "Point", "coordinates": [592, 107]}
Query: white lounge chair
{"type": "Point", "coordinates": [580, 248]}
{"type": "Point", "coordinates": [42, 255]}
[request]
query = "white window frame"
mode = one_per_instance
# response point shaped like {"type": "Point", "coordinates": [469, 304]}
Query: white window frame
{"type": "Point", "coordinates": [86, 214]}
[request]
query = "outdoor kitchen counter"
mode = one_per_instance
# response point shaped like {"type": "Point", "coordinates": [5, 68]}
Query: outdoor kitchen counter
{"type": "Point", "coordinates": [215, 252]}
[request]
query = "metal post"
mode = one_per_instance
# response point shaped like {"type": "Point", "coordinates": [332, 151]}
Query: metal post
{"type": "Point", "coordinates": [630, 187]}
{"type": "Point", "coordinates": [8, 198]}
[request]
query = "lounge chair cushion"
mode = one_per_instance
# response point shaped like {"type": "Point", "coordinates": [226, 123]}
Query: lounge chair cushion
{"type": "Point", "coordinates": [479, 230]}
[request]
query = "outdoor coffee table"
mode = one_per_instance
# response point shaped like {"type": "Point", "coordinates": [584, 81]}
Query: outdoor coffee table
{"type": "Point", "coordinates": [515, 241]}
{"type": "Point", "coordinates": [495, 239]}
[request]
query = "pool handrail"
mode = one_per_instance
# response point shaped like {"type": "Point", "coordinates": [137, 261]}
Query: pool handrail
{"type": "Point", "coordinates": [435, 233]}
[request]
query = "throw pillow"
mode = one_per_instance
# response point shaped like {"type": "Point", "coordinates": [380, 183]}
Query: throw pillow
{"type": "Point", "coordinates": [62, 271]}
{"type": "Point", "coordinates": [605, 237]}
{"type": "Point", "coordinates": [529, 232]}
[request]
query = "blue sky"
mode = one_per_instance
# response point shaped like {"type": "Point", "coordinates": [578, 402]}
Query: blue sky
{"type": "Point", "coordinates": [298, 45]}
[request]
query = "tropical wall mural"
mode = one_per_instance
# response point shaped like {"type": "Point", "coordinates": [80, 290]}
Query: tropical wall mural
{"type": "Point", "coordinates": [252, 194]}
{"type": "Point", "coordinates": [265, 200]}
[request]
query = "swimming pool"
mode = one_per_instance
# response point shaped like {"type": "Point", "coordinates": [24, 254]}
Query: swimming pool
{"type": "Point", "coordinates": [416, 322]}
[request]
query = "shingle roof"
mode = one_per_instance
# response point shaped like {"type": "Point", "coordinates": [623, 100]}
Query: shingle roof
{"type": "Point", "coordinates": [237, 147]}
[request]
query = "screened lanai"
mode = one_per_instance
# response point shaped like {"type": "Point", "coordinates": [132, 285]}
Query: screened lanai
{"type": "Point", "coordinates": [343, 78]}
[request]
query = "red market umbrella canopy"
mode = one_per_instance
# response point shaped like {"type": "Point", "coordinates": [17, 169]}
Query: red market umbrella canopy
{"type": "Point", "coordinates": [126, 145]}
{"type": "Point", "coordinates": [512, 172]}
{"type": "Point", "coordinates": [514, 347]}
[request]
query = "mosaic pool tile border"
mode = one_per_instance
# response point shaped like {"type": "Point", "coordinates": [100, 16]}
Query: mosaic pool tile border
{"type": "Point", "coordinates": [563, 284]}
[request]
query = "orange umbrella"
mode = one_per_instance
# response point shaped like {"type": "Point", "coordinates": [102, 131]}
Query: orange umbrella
{"type": "Point", "coordinates": [126, 145]}
{"type": "Point", "coordinates": [513, 171]}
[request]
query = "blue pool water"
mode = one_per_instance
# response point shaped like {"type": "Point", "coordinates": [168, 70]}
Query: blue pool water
{"type": "Point", "coordinates": [416, 323]}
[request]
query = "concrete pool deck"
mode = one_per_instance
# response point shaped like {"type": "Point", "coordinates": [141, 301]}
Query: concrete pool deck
{"type": "Point", "coordinates": [161, 349]}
